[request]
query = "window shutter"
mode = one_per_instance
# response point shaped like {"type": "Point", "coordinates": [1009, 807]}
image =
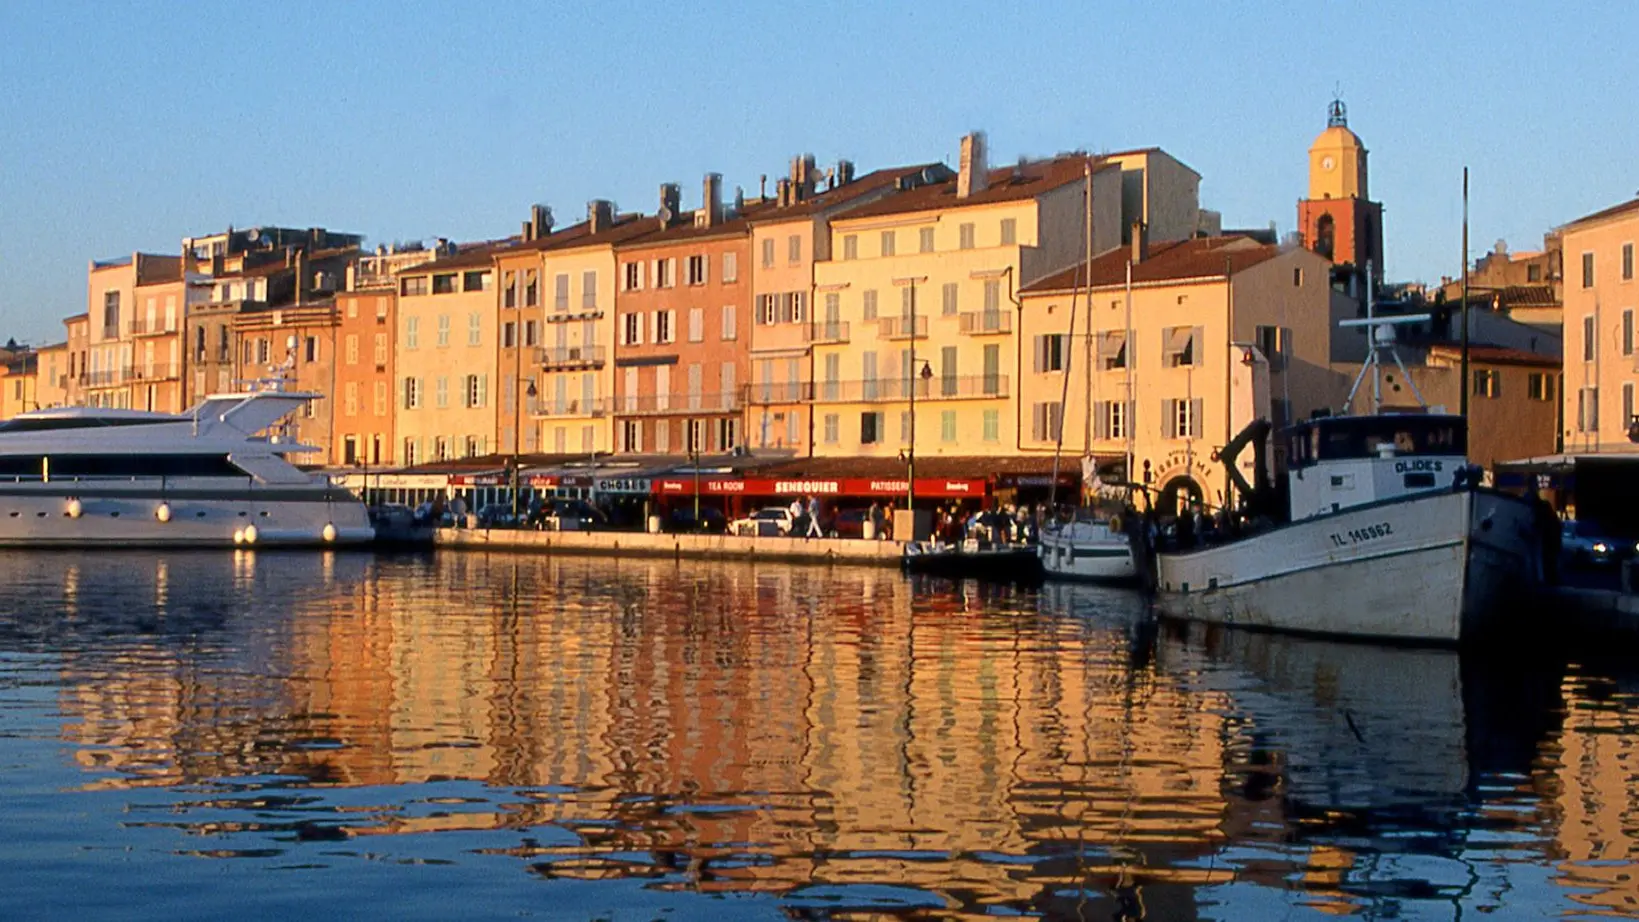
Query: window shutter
{"type": "Point", "coordinates": [1195, 410]}
{"type": "Point", "coordinates": [1040, 345]}
{"type": "Point", "coordinates": [1169, 419]}
{"type": "Point", "coordinates": [1196, 341]}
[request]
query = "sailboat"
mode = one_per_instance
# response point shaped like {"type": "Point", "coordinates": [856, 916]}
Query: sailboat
{"type": "Point", "coordinates": [1388, 534]}
{"type": "Point", "coordinates": [1089, 547]}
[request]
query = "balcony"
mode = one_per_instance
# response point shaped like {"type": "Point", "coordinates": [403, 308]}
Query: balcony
{"type": "Point", "coordinates": [555, 409]}
{"type": "Point", "coordinates": [890, 390]}
{"type": "Point", "coordinates": [569, 357]}
{"type": "Point", "coordinates": [781, 392]}
{"type": "Point", "coordinates": [111, 331]}
{"type": "Point", "coordinates": [900, 328]}
{"type": "Point", "coordinates": [103, 378]}
{"type": "Point", "coordinates": [562, 314]}
{"type": "Point", "coordinates": [679, 404]}
{"type": "Point", "coordinates": [158, 371]}
{"type": "Point", "coordinates": [145, 327]}
{"type": "Point", "coordinates": [985, 323]}
{"type": "Point", "coordinates": [831, 332]}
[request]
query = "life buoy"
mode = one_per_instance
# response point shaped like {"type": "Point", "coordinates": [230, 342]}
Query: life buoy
{"type": "Point", "coordinates": [1115, 523]}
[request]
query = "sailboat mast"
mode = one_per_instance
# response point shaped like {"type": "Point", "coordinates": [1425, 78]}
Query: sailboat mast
{"type": "Point", "coordinates": [1087, 240]}
{"type": "Point", "coordinates": [1068, 354]}
{"type": "Point", "coordinates": [1131, 408]}
{"type": "Point", "coordinates": [1462, 388]}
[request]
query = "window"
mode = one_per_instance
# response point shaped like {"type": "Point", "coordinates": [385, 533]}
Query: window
{"type": "Point", "coordinates": [1181, 419]}
{"type": "Point", "coordinates": [412, 393]}
{"type": "Point", "coordinates": [409, 452]}
{"type": "Point", "coordinates": [441, 448]}
{"type": "Point", "coordinates": [665, 273]}
{"type": "Point", "coordinates": [768, 252]}
{"type": "Point", "coordinates": [1587, 270]}
{"type": "Point", "coordinates": [1588, 341]}
{"type": "Point", "coordinates": [833, 370]}
{"type": "Point", "coordinates": [729, 326]}
{"type": "Point", "coordinates": [352, 348]}
{"type": "Point", "coordinates": [631, 435]}
{"type": "Point", "coordinates": [1627, 404]}
{"type": "Point", "coordinates": [948, 305]}
{"type": "Point", "coordinates": [887, 243]}
{"type": "Point", "coordinates": [477, 391]}
{"type": "Point", "coordinates": [441, 392]}
{"type": "Point", "coordinates": [532, 333]}
{"type": "Point", "coordinates": [850, 246]}
{"type": "Point", "coordinates": [1627, 262]}
{"type": "Point", "coordinates": [413, 286]}
{"type": "Point", "coordinates": [993, 298]}
{"type": "Point", "coordinates": [470, 446]}
{"type": "Point", "coordinates": [350, 450]}
{"type": "Point", "coordinates": [1049, 351]}
{"type": "Point", "coordinates": [964, 236]}
{"type": "Point", "coordinates": [947, 425]}
{"type": "Point", "coordinates": [631, 330]}
{"type": "Point", "coordinates": [509, 289]}
{"type": "Point", "coordinates": [1486, 382]}
{"type": "Point", "coordinates": [560, 291]}
{"type": "Point", "coordinates": [1539, 386]}
{"type": "Point", "coordinates": [1297, 278]}
{"type": "Point", "coordinates": [443, 329]}
{"type": "Point", "coordinates": [532, 288]}
{"type": "Point", "coordinates": [632, 278]}
{"type": "Point", "coordinates": [1587, 410]}
{"type": "Point", "coordinates": [475, 329]}
{"type": "Point", "coordinates": [351, 398]}
{"type": "Point", "coordinates": [696, 269]}
{"type": "Point", "coordinates": [905, 426]}
{"type": "Point", "coordinates": [694, 436]}
{"type": "Point", "coordinates": [381, 349]}
{"type": "Point", "coordinates": [728, 433]}
{"type": "Point", "coordinates": [1046, 421]}
{"type": "Point", "coordinates": [444, 283]}
{"type": "Point", "coordinates": [870, 305]}
{"type": "Point", "coordinates": [1112, 350]}
{"type": "Point", "coordinates": [1274, 343]}
{"type": "Point", "coordinates": [381, 398]}
{"type": "Point", "coordinates": [793, 249]}
{"type": "Point", "coordinates": [1110, 419]}
{"type": "Point", "coordinates": [924, 240]}
{"type": "Point", "coordinates": [992, 425]}
{"type": "Point", "coordinates": [697, 324]}
{"type": "Point", "coordinates": [1010, 231]}
{"type": "Point", "coordinates": [310, 349]}
{"type": "Point", "coordinates": [992, 368]}
{"type": "Point", "coordinates": [476, 280]}
{"type": "Point", "coordinates": [1533, 273]}
{"type": "Point", "coordinates": [509, 335]}
{"type": "Point", "coordinates": [831, 426]}
{"type": "Point", "coordinates": [731, 267]}
{"type": "Point", "coordinates": [589, 290]}
{"type": "Point", "coordinates": [663, 332]}
{"type": "Point", "coordinates": [1627, 332]}
{"type": "Point", "coordinates": [1181, 347]}
{"type": "Point", "coordinates": [870, 428]}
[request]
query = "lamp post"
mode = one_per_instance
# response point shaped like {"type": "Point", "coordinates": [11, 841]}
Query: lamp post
{"type": "Point", "coordinates": [910, 384]}
{"type": "Point", "coordinates": [694, 463]}
{"type": "Point", "coordinates": [517, 441]}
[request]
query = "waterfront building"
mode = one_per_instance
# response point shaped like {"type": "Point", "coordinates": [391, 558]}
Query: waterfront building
{"type": "Point", "coordinates": [1338, 219]}
{"type": "Point", "coordinates": [1525, 286]}
{"type": "Point", "coordinates": [1601, 296]}
{"type": "Point", "coordinates": [570, 336]}
{"type": "Point", "coordinates": [787, 242]}
{"type": "Point", "coordinates": [445, 356]}
{"type": "Point", "coordinates": [19, 372]}
{"type": "Point", "coordinates": [128, 299]}
{"type": "Point", "coordinates": [519, 272]}
{"type": "Point", "coordinates": [51, 376]}
{"type": "Point", "coordinates": [1171, 371]}
{"type": "Point", "coordinates": [296, 344]}
{"type": "Point", "coordinates": [681, 360]}
{"type": "Point", "coordinates": [361, 404]}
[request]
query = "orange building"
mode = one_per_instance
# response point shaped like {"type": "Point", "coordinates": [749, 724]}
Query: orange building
{"type": "Point", "coordinates": [1338, 220]}
{"type": "Point", "coordinates": [297, 344]}
{"type": "Point", "coordinates": [681, 360]}
{"type": "Point", "coordinates": [361, 405]}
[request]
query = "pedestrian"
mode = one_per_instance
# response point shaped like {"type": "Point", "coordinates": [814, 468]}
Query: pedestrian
{"type": "Point", "coordinates": [814, 518]}
{"type": "Point", "coordinates": [887, 522]}
{"type": "Point", "coordinates": [796, 516]}
{"type": "Point", "coordinates": [874, 516]}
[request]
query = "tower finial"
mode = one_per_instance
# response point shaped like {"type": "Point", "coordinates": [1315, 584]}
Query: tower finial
{"type": "Point", "coordinates": [1337, 114]}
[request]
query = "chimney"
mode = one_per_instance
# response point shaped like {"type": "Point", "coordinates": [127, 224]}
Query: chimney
{"type": "Point", "coordinates": [975, 172]}
{"type": "Point", "coordinates": [803, 178]}
{"type": "Point", "coordinates": [782, 192]}
{"type": "Point", "coordinates": [739, 200]}
{"type": "Point", "coordinates": [1141, 241]}
{"type": "Point", "coordinates": [845, 172]}
{"type": "Point", "coordinates": [600, 215]}
{"type": "Point", "coordinates": [528, 231]}
{"type": "Point", "coordinates": [671, 199]}
{"type": "Point", "coordinates": [540, 219]}
{"type": "Point", "coordinates": [711, 199]}
{"type": "Point", "coordinates": [302, 281]}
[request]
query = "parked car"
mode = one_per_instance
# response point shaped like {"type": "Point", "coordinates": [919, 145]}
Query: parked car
{"type": "Point", "coordinates": [850, 523]}
{"type": "Point", "coordinates": [772, 520]}
{"type": "Point", "coordinates": [711, 520]}
{"type": "Point", "coordinates": [1583, 544]}
{"type": "Point", "coordinates": [500, 516]}
{"type": "Point", "coordinates": [572, 515]}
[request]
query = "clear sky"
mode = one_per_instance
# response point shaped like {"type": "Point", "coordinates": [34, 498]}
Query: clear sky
{"type": "Point", "coordinates": [127, 126]}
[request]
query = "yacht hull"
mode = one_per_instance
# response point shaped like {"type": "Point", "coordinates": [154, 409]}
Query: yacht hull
{"type": "Point", "coordinates": [1434, 568]}
{"type": "Point", "coordinates": [1091, 555]}
{"type": "Point", "coordinates": [179, 514]}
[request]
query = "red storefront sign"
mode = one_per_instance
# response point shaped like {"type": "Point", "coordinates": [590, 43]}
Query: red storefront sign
{"type": "Point", "coordinates": [942, 487]}
{"type": "Point", "coordinates": [478, 480]}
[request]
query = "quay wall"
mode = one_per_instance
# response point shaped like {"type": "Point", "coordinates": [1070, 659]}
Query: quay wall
{"type": "Point", "coordinates": [637, 544]}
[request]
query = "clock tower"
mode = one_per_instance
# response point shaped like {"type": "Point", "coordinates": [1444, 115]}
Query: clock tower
{"type": "Point", "coordinates": [1338, 220]}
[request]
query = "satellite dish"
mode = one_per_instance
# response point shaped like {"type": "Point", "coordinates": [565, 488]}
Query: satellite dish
{"type": "Point", "coordinates": [665, 215]}
{"type": "Point", "coordinates": [253, 235]}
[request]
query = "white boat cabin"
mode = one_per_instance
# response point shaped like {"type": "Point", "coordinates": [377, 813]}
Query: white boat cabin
{"type": "Point", "coordinates": [1340, 462]}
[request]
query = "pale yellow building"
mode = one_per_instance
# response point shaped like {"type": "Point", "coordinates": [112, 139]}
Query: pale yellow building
{"type": "Point", "coordinates": [129, 300]}
{"type": "Point", "coordinates": [1601, 296]}
{"type": "Point", "coordinates": [1202, 314]}
{"type": "Point", "coordinates": [445, 357]}
{"type": "Point", "coordinates": [51, 376]}
{"type": "Point", "coordinates": [920, 287]}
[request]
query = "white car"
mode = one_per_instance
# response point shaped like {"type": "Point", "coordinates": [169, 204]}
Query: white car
{"type": "Point", "coordinates": [776, 517]}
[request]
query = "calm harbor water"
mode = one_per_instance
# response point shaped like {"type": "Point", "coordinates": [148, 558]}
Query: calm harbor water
{"type": "Point", "coordinates": [476, 736]}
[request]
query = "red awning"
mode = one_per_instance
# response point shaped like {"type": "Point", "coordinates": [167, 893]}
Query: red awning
{"type": "Point", "coordinates": [941, 487]}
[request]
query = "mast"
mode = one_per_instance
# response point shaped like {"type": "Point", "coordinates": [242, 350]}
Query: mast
{"type": "Point", "coordinates": [1069, 350]}
{"type": "Point", "coordinates": [1087, 240]}
{"type": "Point", "coordinates": [1463, 386]}
{"type": "Point", "coordinates": [1131, 409]}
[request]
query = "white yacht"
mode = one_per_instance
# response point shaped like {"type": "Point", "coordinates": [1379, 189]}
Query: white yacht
{"type": "Point", "coordinates": [213, 476]}
{"type": "Point", "coordinates": [1087, 550]}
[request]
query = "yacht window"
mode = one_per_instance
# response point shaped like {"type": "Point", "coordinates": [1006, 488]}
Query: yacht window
{"type": "Point", "coordinates": [68, 466]}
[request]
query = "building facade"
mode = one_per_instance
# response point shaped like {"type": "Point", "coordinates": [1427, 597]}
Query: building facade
{"type": "Point", "coordinates": [361, 404]}
{"type": "Point", "coordinates": [445, 356]}
{"type": "Point", "coordinates": [129, 350]}
{"type": "Point", "coordinates": [1601, 296]}
{"type": "Point", "coordinates": [297, 345]}
{"type": "Point", "coordinates": [1338, 219]}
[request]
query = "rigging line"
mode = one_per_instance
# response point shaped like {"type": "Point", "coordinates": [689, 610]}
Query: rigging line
{"type": "Point", "coordinates": [1067, 353]}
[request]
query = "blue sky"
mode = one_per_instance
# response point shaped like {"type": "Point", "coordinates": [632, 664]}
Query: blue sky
{"type": "Point", "coordinates": [129, 126]}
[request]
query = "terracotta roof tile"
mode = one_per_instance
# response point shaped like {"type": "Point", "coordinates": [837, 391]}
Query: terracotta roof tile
{"type": "Point", "coordinates": [1203, 257]}
{"type": "Point", "coordinates": [1610, 212]}
{"type": "Point", "coordinates": [874, 181]}
{"type": "Point", "coordinates": [1494, 355]}
{"type": "Point", "coordinates": [1007, 184]}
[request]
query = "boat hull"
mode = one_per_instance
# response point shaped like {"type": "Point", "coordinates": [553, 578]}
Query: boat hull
{"type": "Point", "coordinates": [1430, 568]}
{"type": "Point", "coordinates": [194, 513]}
{"type": "Point", "coordinates": [1086, 556]}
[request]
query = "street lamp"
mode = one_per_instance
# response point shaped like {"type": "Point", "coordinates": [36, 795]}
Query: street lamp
{"type": "Point", "coordinates": [694, 459]}
{"type": "Point", "coordinates": [517, 442]}
{"type": "Point", "coordinates": [910, 384]}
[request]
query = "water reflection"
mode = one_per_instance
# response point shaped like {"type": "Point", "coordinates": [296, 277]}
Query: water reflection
{"type": "Point", "coordinates": [842, 740]}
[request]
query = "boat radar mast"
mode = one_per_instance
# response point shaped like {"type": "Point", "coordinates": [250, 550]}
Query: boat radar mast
{"type": "Point", "coordinates": [1381, 333]}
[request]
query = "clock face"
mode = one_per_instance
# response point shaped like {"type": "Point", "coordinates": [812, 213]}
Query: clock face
{"type": "Point", "coordinates": [1327, 163]}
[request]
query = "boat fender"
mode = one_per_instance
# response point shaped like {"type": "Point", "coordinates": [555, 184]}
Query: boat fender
{"type": "Point", "coordinates": [163, 513]}
{"type": "Point", "coordinates": [250, 534]}
{"type": "Point", "coordinates": [75, 508]}
{"type": "Point", "coordinates": [238, 536]}
{"type": "Point", "coordinates": [1115, 524]}
{"type": "Point", "coordinates": [329, 533]}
